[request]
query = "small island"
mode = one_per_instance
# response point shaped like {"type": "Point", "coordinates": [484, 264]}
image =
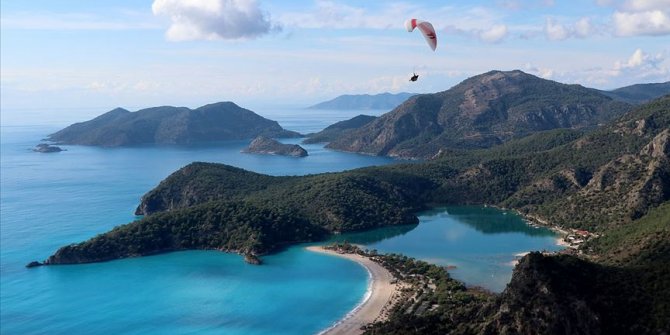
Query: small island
{"type": "Point", "coordinates": [221, 121]}
{"type": "Point", "coordinates": [268, 146]}
{"type": "Point", "coordinates": [46, 148]}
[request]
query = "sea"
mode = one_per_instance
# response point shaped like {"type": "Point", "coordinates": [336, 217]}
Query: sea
{"type": "Point", "coordinates": [51, 200]}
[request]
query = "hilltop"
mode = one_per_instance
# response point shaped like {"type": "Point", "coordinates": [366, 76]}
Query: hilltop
{"type": "Point", "coordinates": [613, 181]}
{"type": "Point", "coordinates": [639, 93]}
{"type": "Point", "coordinates": [170, 125]}
{"type": "Point", "coordinates": [598, 181]}
{"type": "Point", "coordinates": [480, 112]}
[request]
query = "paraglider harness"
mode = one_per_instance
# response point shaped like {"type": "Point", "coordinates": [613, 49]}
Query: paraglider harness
{"type": "Point", "coordinates": [414, 77]}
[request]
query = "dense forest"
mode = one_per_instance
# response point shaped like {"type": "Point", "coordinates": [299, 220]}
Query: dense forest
{"type": "Point", "coordinates": [625, 291]}
{"type": "Point", "coordinates": [596, 181]}
{"type": "Point", "coordinates": [613, 181]}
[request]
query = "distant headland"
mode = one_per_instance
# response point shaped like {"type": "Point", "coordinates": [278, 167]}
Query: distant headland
{"type": "Point", "coordinates": [170, 125]}
{"type": "Point", "coordinates": [364, 101]}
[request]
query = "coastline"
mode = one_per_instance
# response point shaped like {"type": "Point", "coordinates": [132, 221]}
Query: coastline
{"type": "Point", "coordinates": [377, 300]}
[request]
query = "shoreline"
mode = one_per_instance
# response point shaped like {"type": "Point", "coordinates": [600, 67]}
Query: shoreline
{"type": "Point", "coordinates": [376, 301]}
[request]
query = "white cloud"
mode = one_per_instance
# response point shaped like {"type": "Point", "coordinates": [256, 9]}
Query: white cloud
{"type": "Point", "coordinates": [642, 67]}
{"type": "Point", "coordinates": [330, 14]}
{"type": "Point", "coordinates": [495, 34]}
{"type": "Point", "coordinates": [645, 5]}
{"type": "Point", "coordinates": [452, 20]}
{"type": "Point", "coordinates": [213, 19]}
{"type": "Point", "coordinates": [653, 22]}
{"type": "Point", "coordinates": [583, 27]}
{"type": "Point", "coordinates": [639, 17]}
{"type": "Point", "coordinates": [638, 67]}
{"type": "Point", "coordinates": [555, 31]}
{"type": "Point", "coordinates": [635, 60]}
{"type": "Point", "coordinates": [542, 72]}
{"type": "Point", "coordinates": [640, 60]}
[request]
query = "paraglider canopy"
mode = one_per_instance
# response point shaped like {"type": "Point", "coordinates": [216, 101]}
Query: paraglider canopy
{"type": "Point", "coordinates": [426, 29]}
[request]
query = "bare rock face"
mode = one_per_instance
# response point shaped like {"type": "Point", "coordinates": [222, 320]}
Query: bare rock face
{"type": "Point", "coordinates": [659, 146]}
{"type": "Point", "coordinates": [264, 145]}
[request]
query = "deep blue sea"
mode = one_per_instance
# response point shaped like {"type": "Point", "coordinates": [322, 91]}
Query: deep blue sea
{"type": "Point", "coordinates": [49, 200]}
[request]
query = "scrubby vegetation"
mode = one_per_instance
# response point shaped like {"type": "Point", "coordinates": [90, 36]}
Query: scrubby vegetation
{"type": "Point", "coordinates": [627, 291]}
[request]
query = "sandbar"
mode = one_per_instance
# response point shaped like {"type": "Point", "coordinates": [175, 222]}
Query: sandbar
{"type": "Point", "coordinates": [381, 292]}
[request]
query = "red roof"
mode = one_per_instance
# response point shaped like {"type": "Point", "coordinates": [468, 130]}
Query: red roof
{"type": "Point", "coordinates": [582, 232]}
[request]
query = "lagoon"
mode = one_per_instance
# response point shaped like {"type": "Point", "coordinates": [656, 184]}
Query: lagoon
{"type": "Point", "coordinates": [49, 200]}
{"type": "Point", "coordinates": [482, 243]}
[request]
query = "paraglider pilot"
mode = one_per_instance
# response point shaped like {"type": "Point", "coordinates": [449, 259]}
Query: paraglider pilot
{"type": "Point", "coordinates": [414, 77]}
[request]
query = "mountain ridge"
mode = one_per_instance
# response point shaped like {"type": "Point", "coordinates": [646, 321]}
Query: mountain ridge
{"type": "Point", "coordinates": [363, 101]}
{"type": "Point", "coordinates": [556, 180]}
{"type": "Point", "coordinates": [639, 93]}
{"type": "Point", "coordinates": [481, 111]}
{"type": "Point", "coordinates": [338, 129]}
{"type": "Point", "coordinates": [170, 125]}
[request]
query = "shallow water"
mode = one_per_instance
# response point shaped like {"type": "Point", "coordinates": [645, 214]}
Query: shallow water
{"type": "Point", "coordinates": [49, 200]}
{"type": "Point", "coordinates": [482, 243]}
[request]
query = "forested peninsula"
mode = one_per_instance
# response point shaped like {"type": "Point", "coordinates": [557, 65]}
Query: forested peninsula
{"type": "Point", "coordinates": [593, 181]}
{"type": "Point", "coordinates": [613, 181]}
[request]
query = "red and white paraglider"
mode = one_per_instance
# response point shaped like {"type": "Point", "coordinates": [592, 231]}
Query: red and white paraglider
{"type": "Point", "coordinates": [426, 29]}
{"type": "Point", "coordinates": [428, 33]}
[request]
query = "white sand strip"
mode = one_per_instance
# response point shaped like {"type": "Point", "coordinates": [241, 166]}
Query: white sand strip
{"type": "Point", "coordinates": [380, 293]}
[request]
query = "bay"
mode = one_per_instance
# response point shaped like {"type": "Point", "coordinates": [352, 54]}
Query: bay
{"type": "Point", "coordinates": [479, 244]}
{"type": "Point", "coordinates": [50, 200]}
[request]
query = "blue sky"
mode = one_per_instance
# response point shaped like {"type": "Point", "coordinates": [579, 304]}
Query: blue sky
{"type": "Point", "coordinates": [97, 55]}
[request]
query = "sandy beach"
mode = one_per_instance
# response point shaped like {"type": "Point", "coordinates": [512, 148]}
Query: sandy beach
{"type": "Point", "coordinates": [381, 293]}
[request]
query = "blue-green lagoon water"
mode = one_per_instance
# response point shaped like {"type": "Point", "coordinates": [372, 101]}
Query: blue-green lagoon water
{"type": "Point", "coordinates": [49, 200]}
{"type": "Point", "coordinates": [482, 243]}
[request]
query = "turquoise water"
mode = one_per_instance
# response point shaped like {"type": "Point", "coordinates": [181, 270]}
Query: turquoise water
{"type": "Point", "coordinates": [49, 200]}
{"type": "Point", "coordinates": [482, 243]}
